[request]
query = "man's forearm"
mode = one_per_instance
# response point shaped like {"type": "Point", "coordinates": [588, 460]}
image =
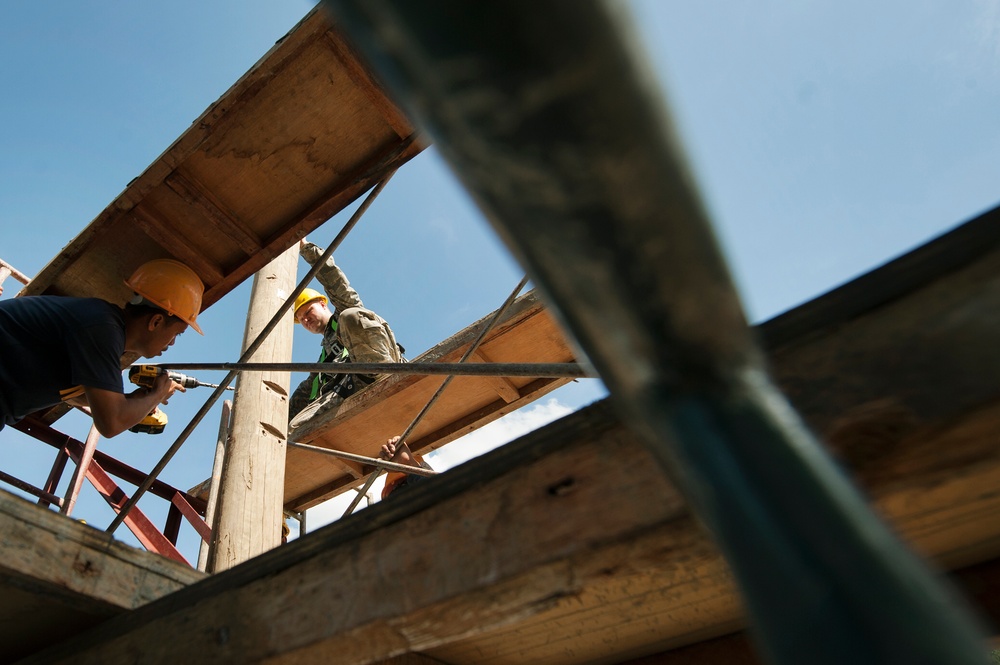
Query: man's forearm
{"type": "Point", "coordinates": [342, 295]}
{"type": "Point", "coordinates": [114, 413]}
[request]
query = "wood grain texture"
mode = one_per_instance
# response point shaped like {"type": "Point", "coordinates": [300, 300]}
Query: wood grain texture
{"type": "Point", "coordinates": [249, 516]}
{"type": "Point", "coordinates": [63, 576]}
{"type": "Point", "coordinates": [568, 546]}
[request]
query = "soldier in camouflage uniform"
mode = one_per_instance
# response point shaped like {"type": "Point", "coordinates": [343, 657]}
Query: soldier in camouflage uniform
{"type": "Point", "coordinates": [350, 333]}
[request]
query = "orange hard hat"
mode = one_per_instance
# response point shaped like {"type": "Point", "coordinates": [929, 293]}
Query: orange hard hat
{"type": "Point", "coordinates": [171, 286]}
{"type": "Point", "coordinates": [307, 296]}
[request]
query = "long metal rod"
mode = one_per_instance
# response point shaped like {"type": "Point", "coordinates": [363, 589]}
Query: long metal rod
{"type": "Point", "coordinates": [548, 370]}
{"type": "Point", "coordinates": [373, 461]}
{"type": "Point", "coordinates": [576, 162]}
{"type": "Point", "coordinates": [48, 497]}
{"type": "Point", "coordinates": [14, 272]}
{"type": "Point", "coordinates": [472, 349]}
{"type": "Point", "coordinates": [369, 481]}
{"type": "Point", "coordinates": [80, 473]}
{"type": "Point", "coordinates": [224, 384]}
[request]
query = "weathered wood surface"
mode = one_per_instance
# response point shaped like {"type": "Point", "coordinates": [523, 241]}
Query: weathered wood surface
{"type": "Point", "coordinates": [60, 577]}
{"type": "Point", "coordinates": [295, 140]}
{"type": "Point", "coordinates": [568, 546]}
{"type": "Point", "coordinates": [249, 516]}
{"type": "Point", "coordinates": [527, 333]}
{"type": "Point", "coordinates": [916, 336]}
{"type": "Point", "coordinates": [980, 583]}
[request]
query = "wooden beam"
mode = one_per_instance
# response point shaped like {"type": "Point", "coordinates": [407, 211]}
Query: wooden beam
{"type": "Point", "coordinates": [214, 211]}
{"type": "Point", "coordinates": [70, 573]}
{"type": "Point", "coordinates": [981, 583]}
{"type": "Point", "coordinates": [507, 390]}
{"type": "Point", "coordinates": [569, 537]}
{"type": "Point", "coordinates": [167, 237]}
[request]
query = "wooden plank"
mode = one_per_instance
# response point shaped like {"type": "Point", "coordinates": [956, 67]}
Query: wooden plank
{"type": "Point", "coordinates": [60, 576]}
{"type": "Point", "coordinates": [196, 195]}
{"type": "Point", "coordinates": [234, 195]}
{"type": "Point", "coordinates": [906, 346]}
{"type": "Point", "coordinates": [363, 78]}
{"type": "Point", "coordinates": [503, 386]}
{"type": "Point", "coordinates": [981, 583]}
{"type": "Point", "coordinates": [567, 546]}
{"type": "Point", "coordinates": [945, 506]}
{"type": "Point", "coordinates": [170, 239]}
{"type": "Point", "coordinates": [247, 193]}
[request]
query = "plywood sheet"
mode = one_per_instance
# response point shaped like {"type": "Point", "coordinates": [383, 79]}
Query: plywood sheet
{"type": "Point", "coordinates": [304, 133]}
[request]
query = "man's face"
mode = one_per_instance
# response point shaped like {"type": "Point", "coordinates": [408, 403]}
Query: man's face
{"type": "Point", "coordinates": [313, 316]}
{"type": "Point", "coordinates": [162, 335]}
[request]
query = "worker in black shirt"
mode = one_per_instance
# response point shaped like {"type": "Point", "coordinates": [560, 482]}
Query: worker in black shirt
{"type": "Point", "coordinates": [60, 349]}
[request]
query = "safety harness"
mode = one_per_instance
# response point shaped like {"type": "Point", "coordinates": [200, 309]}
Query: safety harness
{"type": "Point", "coordinates": [342, 384]}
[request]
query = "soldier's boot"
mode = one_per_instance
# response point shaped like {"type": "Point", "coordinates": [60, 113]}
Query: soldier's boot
{"type": "Point", "coordinates": [323, 404]}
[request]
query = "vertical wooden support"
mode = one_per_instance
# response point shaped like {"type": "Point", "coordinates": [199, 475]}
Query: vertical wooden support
{"type": "Point", "coordinates": [251, 490]}
{"type": "Point", "coordinates": [213, 488]}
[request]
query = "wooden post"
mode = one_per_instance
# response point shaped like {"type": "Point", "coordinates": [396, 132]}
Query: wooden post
{"type": "Point", "coordinates": [213, 489]}
{"type": "Point", "coordinates": [249, 511]}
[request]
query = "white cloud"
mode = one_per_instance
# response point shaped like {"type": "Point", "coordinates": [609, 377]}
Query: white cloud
{"type": "Point", "coordinates": [483, 440]}
{"type": "Point", "coordinates": [497, 433]}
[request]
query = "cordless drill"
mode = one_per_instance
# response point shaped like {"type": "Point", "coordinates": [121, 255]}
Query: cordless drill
{"type": "Point", "coordinates": [145, 376]}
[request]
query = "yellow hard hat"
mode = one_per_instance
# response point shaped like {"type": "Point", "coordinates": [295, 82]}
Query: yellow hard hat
{"type": "Point", "coordinates": [307, 296]}
{"type": "Point", "coordinates": [171, 286]}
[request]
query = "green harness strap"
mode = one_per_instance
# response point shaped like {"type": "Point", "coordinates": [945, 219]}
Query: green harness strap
{"type": "Point", "coordinates": [320, 378]}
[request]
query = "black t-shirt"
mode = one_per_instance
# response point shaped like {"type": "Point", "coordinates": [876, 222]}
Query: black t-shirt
{"type": "Point", "coordinates": [51, 344]}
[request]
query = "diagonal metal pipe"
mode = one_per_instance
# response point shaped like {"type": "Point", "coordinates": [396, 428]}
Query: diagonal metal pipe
{"type": "Point", "coordinates": [553, 125]}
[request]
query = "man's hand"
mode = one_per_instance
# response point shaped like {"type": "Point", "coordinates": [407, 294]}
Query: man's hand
{"type": "Point", "coordinates": [165, 386]}
{"type": "Point", "coordinates": [389, 449]}
{"type": "Point", "coordinates": [114, 413]}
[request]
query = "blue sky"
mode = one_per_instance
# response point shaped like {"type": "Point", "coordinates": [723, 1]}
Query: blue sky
{"type": "Point", "coordinates": [826, 137]}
